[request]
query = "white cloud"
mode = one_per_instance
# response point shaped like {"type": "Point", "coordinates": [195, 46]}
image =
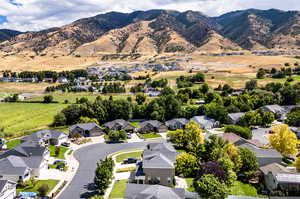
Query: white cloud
{"type": "Point", "coordinates": [42, 14]}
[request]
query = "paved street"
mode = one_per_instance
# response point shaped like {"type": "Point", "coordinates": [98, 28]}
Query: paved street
{"type": "Point", "coordinates": [82, 184]}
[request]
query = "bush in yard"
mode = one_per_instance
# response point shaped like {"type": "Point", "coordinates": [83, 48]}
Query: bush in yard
{"type": "Point", "coordinates": [117, 135]}
{"type": "Point", "coordinates": [140, 98]}
{"type": "Point", "coordinates": [186, 165]}
{"type": "Point", "coordinates": [59, 120]}
{"type": "Point", "coordinates": [244, 132]}
{"type": "Point", "coordinates": [43, 190]}
{"type": "Point", "coordinates": [209, 187]}
{"type": "Point", "coordinates": [213, 168]}
{"type": "Point", "coordinates": [57, 151]}
{"type": "Point", "coordinates": [87, 120]}
{"type": "Point", "coordinates": [103, 174]}
{"type": "Point", "coordinates": [48, 99]}
{"type": "Point", "coordinates": [293, 118]}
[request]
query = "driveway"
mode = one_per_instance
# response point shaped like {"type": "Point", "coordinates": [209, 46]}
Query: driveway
{"type": "Point", "coordinates": [81, 185]}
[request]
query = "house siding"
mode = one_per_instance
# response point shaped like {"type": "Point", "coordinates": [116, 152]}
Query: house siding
{"type": "Point", "coordinates": [164, 174]}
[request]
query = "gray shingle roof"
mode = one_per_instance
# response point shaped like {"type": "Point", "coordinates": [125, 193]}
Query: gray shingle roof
{"type": "Point", "coordinates": [262, 153]}
{"type": "Point", "coordinates": [235, 116]}
{"type": "Point", "coordinates": [13, 165]}
{"type": "Point", "coordinates": [45, 134]}
{"type": "Point", "coordinates": [84, 126]}
{"type": "Point", "coordinates": [181, 121]}
{"type": "Point", "coordinates": [119, 123]}
{"type": "Point", "coordinates": [3, 183]}
{"type": "Point", "coordinates": [274, 168]}
{"type": "Point", "coordinates": [206, 122]}
{"type": "Point", "coordinates": [154, 123]}
{"type": "Point", "coordinates": [142, 191]}
{"type": "Point", "coordinates": [155, 159]}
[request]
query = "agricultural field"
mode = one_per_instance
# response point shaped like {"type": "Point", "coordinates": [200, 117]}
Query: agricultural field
{"type": "Point", "coordinates": [19, 119]}
{"type": "Point", "coordinates": [21, 87]}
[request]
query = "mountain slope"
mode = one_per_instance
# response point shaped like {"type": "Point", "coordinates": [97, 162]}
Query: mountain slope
{"type": "Point", "coordinates": [6, 34]}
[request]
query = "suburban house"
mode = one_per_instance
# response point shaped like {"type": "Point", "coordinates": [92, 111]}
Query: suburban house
{"type": "Point", "coordinates": [35, 156]}
{"type": "Point", "coordinates": [141, 191]}
{"type": "Point", "coordinates": [118, 125]}
{"type": "Point", "coordinates": [264, 156]}
{"type": "Point", "coordinates": [7, 189]}
{"type": "Point", "coordinates": [238, 141]}
{"type": "Point", "coordinates": [85, 130]}
{"type": "Point", "coordinates": [44, 137]}
{"type": "Point", "coordinates": [62, 80]}
{"type": "Point", "coordinates": [14, 168]}
{"type": "Point", "coordinates": [206, 122]}
{"type": "Point", "coordinates": [277, 176]}
{"type": "Point", "coordinates": [157, 165]}
{"type": "Point", "coordinates": [177, 123]}
{"type": "Point", "coordinates": [277, 109]}
{"type": "Point", "coordinates": [233, 118]}
{"type": "Point", "coordinates": [152, 126]}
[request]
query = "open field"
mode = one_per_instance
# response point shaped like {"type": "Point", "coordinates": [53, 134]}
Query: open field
{"type": "Point", "coordinates": [21, 87]}
{"type": "Point", "coordinates": [18, 119]}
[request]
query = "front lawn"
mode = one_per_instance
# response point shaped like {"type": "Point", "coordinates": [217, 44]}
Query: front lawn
{"type": "Point", "coordinates": [149, 135]}
{"type": "Point", "coordinates": [118, 190]}
{"type": "Point", "coordinates": [13, 143]}
{"type": "Point", "coordinates": [61, 154]}
{"type": "Point", "coordinates": [243, 189]}
{"type": "Point", "coordinates": [33, 188]}
{"type": "Point", "coordinates": [189, 182]}
{"type": "Point", "coordinates": [123, 156]}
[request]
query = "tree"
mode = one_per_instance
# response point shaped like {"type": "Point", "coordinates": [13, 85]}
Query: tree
{"type": "Point", "coordinates": [283, 140]}
{"type": "Point", "coordinates": [213, 168]}
{"type": "Point", "coordinates": [59, 120]}
{"type": "Point", "coordinates": [216, 111]}
{"type": "Point", "coordinates": [140, 98]}
{"type": "Point", "coordinates": [43, 190]}
{"type": "Point", "coordinates": [208, 186]}
{"type": "Point", "coordinates": [57, 151]}
{"type": "Point", "coordinates": [249, 163]}
{"type": "Point", "coordinates": [103, 174]}
{"type": "Point", "coordinates": [167, 91]}
{"type": "Point", "coordinates": [260, 74]}
{"type": "Point", "coordinates": [233, 153]}
{"type": "Point", "coordinates": [186, 165]}
{"type": "Point", "coordinates": [244, 132]}
{"type": "Point", "coordinates": [117, 135]}
{"type": "Point", "coordinates": [48, 99]}
{"type": "Point", "coordinates": [293, 118]}
{"type": "Point", "coordinates": [251, 85]}
{"type": "Point", "coordinates": [190, 138]}
{"type": "Point", "coordinates": [87, 120]}
{"type": "Point", "coordinates": [72, 114]}
{"type": "Point", "coordinates": [297, 164]}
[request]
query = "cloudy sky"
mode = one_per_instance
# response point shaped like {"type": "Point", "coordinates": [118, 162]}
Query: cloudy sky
{"type": "Point", "coordinates": [28, 15]}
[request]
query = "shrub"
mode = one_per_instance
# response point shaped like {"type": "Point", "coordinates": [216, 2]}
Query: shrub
{"type": "Point", "coordinates": [43, 190]}
{"type": "Point", "coordinates": [48, 99]}
{"type": "Point", "coordinates": [244, 132]}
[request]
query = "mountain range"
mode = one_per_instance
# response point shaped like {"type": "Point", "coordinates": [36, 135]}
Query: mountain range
{"type": "Point", "coordinates": [160, 31]}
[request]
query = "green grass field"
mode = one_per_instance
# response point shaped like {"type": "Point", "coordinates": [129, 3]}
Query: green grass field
{"type": "Point", "coordinates": [242, 189]}
{"type": "Point", "coordinates": [61, 154]}
{"type": "Point", "coordinates": [51, 184]}
{"type": "Point", "coordinates": [19, 119]}
{"type": "Point", "coordinates": [149, 135]}
{"type": "Point", "coordinates": [13, 143]}
{"type": "Point", "coordinates": [189, 182]}
{"type": "Point", "coordinates": [118, 190]}
{"type": "Point", "coordinates": [121, 157]}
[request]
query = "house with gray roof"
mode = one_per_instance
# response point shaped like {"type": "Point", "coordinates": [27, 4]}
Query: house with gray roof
{"type": "Point", "coordinates": [142, 191]}
{"type": "Point", "coordinates": [7, 189]}
{"type": "Point", "coordinates": [35, 156]}
{"type": "Point", "coordinates": [152, 126]}
{"type": "Point", "coordinates": [280, 111]}
{"type": "Point", "coordinates": [238, 141]}
{"type": "Point", "coordinates": [233, 118]}
{"type": "Point", "coordinates": [119, 124]}
{"type": "Point", "coordinates": [157, 165]}
{"type": "Point", "coordinates": [14, 168]}
{"type": "Point", "coordinates": [44, 137]}
{"type": "Point", "coordinates": [206, 122]}
{"type": "Point", "coordinates": [264, 156]}
{"type": "Point", "coordinates": [85, 130]}
{"type": "Point", "coordinates": [177, 123]}
{"type": "Point", "coordinates": [277, 176]}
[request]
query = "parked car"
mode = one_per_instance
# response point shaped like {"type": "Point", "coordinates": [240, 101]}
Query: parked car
{"type": "Point", "coordinates": [129, 136]}
{"type": "Point", "coordinates": [60, 161]}
{"type": "Point", "coordinates": [65, 144]}
{"type": "Point", "coordinates": [130, 161]}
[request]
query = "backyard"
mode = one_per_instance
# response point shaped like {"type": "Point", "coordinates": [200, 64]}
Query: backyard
{"type": "Point", "coordinates": [35, 186]}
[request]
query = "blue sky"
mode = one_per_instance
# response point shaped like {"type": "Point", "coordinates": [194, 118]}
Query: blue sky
{"type": "Point", "coordinates": [31, 15]}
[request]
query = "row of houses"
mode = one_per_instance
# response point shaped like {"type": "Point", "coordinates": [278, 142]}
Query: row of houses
{"type": "Point", "coordinates": [34, 80]}
{"type": "Point", "coordinates": [272, 170]}
{"type": "Point", "coordinates": [154, 176]}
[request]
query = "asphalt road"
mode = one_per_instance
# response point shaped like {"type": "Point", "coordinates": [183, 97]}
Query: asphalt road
{"type": "Point", "coordinates": [81, 185]}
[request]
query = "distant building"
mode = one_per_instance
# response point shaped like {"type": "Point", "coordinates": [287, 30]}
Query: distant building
{"type": "Point", "coordinates": [177, 123]}
{"type": "Point", "coordinates": [85, 130]}
{"type": "Point", "coordinates": [206, 122]}
{"type": "Point", "coordinates": [118, 125]}
{"type": "Point", "coordinates": [235, 117]}
{"type": "Point", "coordinates": [152, 126]}
{"type": "Point", "coordinates": [44, 137]}
{"type": "Point", "coordinates": [62, 80]}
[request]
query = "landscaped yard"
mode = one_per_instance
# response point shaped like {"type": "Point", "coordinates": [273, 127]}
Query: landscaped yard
{"type": "Point", "coordinates": [189, 182]}
{"type": "Point", "coordinates": [121, 157]}
{"type": "Point", "coordinates": [19, 119]}
{"type": "Point", "coordinates": [13, 143]}
{"type": "Point", "coordinates": [118, 190]}
{"type": "Point", "coordinates": [51, 184]}
{"type": "Point", "coordinates": [242, 189]}
{"type": "Point", "coordinates": [61, 154]}
{"type": "Point", "coordinates": [149, 135]}
{"type": "Point", "coordinates": [135, 124]}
